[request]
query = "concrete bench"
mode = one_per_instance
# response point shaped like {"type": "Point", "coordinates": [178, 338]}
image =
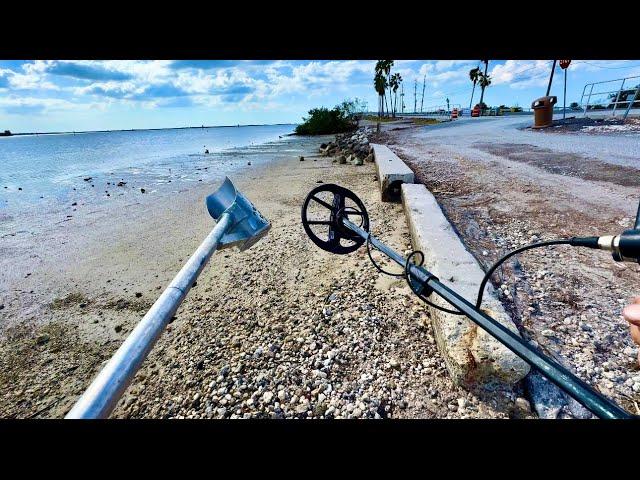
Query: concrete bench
{"type": "Point", "coordinates": [392, 172]}
{"type": "Point", "coordinates": [472, 356]}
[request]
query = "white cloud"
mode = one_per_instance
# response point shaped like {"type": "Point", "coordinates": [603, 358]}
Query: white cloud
{"type": "Point", "coordinates": [521, 74]}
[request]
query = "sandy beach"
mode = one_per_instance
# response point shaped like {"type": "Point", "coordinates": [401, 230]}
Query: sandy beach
{"type": "Point", "coordinates": [281, 330]}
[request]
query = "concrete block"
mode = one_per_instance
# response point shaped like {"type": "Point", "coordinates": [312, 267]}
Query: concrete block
{"type": "Point", "coordinates": [472, 356]}
{"type": "Point", "coordinates": [392, 172]}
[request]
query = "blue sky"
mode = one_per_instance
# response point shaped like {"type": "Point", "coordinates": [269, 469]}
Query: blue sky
{"type": "Point", "coordinates": [50, 95]}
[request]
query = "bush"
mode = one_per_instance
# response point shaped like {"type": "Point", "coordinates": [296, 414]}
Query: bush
{"type": "Point", "coordinates": [322, 121]}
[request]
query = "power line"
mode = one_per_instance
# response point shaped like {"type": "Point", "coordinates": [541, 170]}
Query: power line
{"type": "Point", "coordinates": [608, 68]}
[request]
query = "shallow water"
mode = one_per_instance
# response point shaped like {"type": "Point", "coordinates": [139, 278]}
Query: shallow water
{"type": "Point", "coordinates": [41, 171]}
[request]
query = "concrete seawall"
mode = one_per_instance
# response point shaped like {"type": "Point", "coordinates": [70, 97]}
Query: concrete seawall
{"type": "Point", "coordinates": [471, 355]}
{"type": "Point", "coordinates": [392, 172]}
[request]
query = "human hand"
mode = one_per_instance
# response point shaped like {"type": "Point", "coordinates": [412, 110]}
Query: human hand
{"type": "Point", "coordinates": [631, 314]}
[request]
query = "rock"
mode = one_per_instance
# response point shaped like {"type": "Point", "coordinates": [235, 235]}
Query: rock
{"type": "Point", "coordinates": [576, 408]}
{"type": "Point", "coordinates": [342, 159]}
{"type": "Point", "coordinates": [121, 184]}
{"type": "Point", "coordinates": [267, 397]}
{"type": "Point", "coordinates": [523, 404]}
{"type": "Point", "coordinates": [142, 190]}
{"type": "Point", "coordinates": [548, 333]}
{"type": "Point", "coordinates": [118, 328]}
{"type": "Point", "coordinates": [42, 339]}
{"type": "Point", "coordinates": [87, 179]}
{"type": "Point", "coordinates": [369, 158]}
{"type": "Point", "coordinates": [301, 158]}
{"type": "Point", "coordinates": [547, 399]}
{"type": "Point", "coordinates": [357, 161]}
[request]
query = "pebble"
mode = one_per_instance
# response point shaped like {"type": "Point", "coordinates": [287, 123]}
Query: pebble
{"type": "Point", "coordinates": [523, 404]}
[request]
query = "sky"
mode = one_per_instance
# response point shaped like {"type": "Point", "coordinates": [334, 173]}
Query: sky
{"type": "Point", "coordinates": [76, 95]}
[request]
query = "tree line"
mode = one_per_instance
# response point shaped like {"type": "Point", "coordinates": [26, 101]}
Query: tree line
{"type": "Point", "coordinates": [387, 85]}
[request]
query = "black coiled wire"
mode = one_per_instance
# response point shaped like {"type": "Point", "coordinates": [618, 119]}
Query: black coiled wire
{"type": "Point", "coordinates": [406, 273]}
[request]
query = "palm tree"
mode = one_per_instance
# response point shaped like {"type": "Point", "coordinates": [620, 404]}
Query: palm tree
{"type": "Point", "coordinates": [386, 68]}
{"type": "Point", "coordinates": [474, 75]}
{"type": "Point", "coordinates": [394, 84]}
{"type": "Point", "coordinates": [381, 81]}
{"type": "Point", "coordinates": [484, 79]}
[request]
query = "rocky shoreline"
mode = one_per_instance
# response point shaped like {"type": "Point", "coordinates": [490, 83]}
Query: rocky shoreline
{"type": "Point", "coordinates": [350, 147]}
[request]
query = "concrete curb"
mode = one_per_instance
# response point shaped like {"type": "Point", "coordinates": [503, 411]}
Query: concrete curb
{"type": "Point", "coordinates": [392, 172]}
{"type": "Point", "coordinates": [471, 355]}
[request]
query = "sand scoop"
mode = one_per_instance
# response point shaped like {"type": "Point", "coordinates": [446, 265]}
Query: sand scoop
{"type": "Point", "coordinates": [238, 224]}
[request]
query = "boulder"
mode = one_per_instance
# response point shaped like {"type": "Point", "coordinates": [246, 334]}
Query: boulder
{"type": "Point", "coordinates": [342, 159]}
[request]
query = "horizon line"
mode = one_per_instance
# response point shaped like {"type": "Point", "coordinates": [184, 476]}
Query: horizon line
{"type": "Point", "coordinates": [149, 129]}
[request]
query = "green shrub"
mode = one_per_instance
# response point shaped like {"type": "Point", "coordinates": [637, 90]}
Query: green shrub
{"type": "Point", "coordinates": [322, 121]}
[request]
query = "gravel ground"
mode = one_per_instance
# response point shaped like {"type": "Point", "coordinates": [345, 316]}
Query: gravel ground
{"type": "Point", "coordinates": [281, 330]}
{"type": "Point", "coordinates": [510, 189]}
{"type": "Point", "coordinates": [310, 335]}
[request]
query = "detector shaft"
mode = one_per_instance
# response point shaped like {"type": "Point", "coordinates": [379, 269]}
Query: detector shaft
{"type": "Point", "coordinates": [559, 375]}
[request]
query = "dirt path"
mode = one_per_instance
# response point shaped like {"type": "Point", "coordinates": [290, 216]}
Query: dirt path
{"type": "Point", "coordinates": [500, 195]}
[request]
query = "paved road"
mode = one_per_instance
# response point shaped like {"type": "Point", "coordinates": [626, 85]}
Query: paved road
{"type": "Point", "coordinates": [502, 187]}
{"type": "Point", "coordinates": [620, 149]}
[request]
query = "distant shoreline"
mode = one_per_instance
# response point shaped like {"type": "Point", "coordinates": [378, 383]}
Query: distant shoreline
{"type": "Point", "coordinates": [147, 129]}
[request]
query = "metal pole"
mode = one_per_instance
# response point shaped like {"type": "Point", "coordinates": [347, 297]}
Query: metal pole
{"type": "Point", "coordinates": [586, 107]}
{"type": "Point", "coordinates": [564, 98]}
{"type": "Point", "coordinates": [635, 97]}
{"type": "Point", "coordinates": [106, 389]}
{"type": "Point", "coordinates": [615, 105]}
{"type": "Point", "coordinates": [553, 68]}
{"type": "Point", "coordinates": [563, 378]}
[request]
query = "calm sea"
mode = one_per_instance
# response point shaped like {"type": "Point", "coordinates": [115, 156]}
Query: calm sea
{"type": "Point", "coordinates": [39, 169]}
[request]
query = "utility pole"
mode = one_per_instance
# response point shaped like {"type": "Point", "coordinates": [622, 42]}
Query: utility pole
{"type": "Point", "coordinates": [424, 82]}
{"type": "Point", "coordinates": [415, 97]}
{"type": "Point", "coordinates": [553, 68]}
{"type": "Point", "coordinates": [402, 96]}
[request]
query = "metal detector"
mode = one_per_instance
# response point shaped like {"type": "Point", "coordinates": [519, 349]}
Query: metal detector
{"type": "Point", "coordinates": [327, 215]}
{"type": "Point", "coordinates": [238, 224]}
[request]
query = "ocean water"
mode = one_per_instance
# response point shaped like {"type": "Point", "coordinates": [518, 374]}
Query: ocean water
{"type": "Point", "coordinates": [38, 171]}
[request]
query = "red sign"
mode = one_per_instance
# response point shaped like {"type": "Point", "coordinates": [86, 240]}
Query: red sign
{"type": "Point", "coordinates": [564, 63]}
